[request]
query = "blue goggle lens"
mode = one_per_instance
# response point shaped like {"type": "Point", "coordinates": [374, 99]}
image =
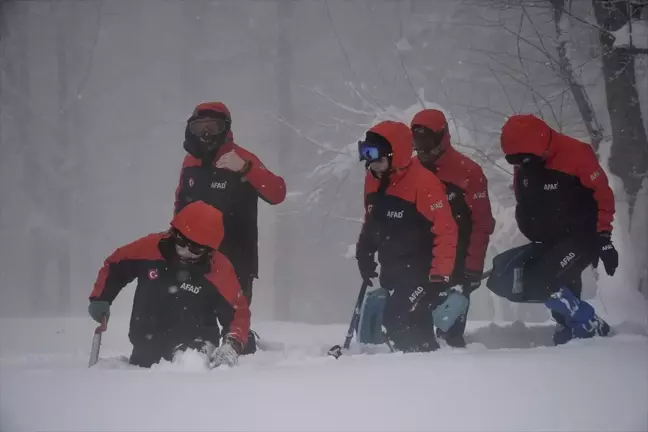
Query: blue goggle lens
{"type": "Point", "coordinates": [368, 152]}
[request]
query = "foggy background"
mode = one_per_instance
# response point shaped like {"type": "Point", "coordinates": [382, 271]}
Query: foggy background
{"type": "Point", "coordinates": [94, 96]}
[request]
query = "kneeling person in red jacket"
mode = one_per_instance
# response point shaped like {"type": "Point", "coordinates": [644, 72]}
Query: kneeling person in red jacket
{"type": "Point", "coordinates": [185, 286]}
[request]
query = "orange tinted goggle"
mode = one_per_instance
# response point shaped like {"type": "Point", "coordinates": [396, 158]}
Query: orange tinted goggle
{"type": "Point", "coordinates": [207, 125]}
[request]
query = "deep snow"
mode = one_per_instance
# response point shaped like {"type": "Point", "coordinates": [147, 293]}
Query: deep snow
{"type": "Point", "coordinates": [509, 378]}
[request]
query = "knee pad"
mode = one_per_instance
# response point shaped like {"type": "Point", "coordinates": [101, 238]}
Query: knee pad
{"type": "Point", "coordinates": [447, 313]}
{"type": "Point", "coordinates": [371, 317]}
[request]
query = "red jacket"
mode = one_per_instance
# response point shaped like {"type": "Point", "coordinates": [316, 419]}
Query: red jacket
{"type": "Point", "coordinates": [410, 223]}
{"type": "Point", "coordinates": [175, 302]}
{"type": "Point", "coordinates": [568, 195]}
{"type": "Point", "coordinates": [467, 191]}
{"type": "Point", "coordinates": [235, 195]}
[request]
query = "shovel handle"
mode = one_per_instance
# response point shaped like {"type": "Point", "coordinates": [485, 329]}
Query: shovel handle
{"type": "Point", "coordinates": [103, 326]}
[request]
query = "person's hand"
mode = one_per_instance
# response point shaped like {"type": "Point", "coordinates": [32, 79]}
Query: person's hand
{"type": "Point", "coordinates": [226, 354]}
{"type": "Point", "coordinates": [367, 266]}
{"type": "Point", "coordinates": [471, 280]}
{"type": "Point", "coordinates": [231, 161]}
{"type": "Point", "coordinates": [607, 253]}
{"type": "Point", "coordinates": [98, 309]}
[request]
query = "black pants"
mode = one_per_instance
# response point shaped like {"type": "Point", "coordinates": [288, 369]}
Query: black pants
{"type": "Point", "coordinates": [246, 286]}
{"type": "Point", "coordinates": [146, 354]}
{"type": "Point", "coordinates": [558, 265]}
{"type": "Point", "coordinates": [409, 322]}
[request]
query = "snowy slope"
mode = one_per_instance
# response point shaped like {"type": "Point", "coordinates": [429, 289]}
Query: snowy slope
{"type": "Point", "coordinates": [498, 383]}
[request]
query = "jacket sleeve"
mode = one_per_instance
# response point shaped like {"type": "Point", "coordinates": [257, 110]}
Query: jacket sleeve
{"type": "Point", "coordinates": [235, 318]}
{"type": "Point", "coordinates": [432, 203]}
{"type": "Point", "coordinates": [122, 267]}
{"type": "Point", "coordinates": [365, 246]}
{"type": "Point", "coordinates": [270, 187]}
{"type": "Point", "coordinates": [176, 203]}
{"type": "Point", "coordinates": [592, 176]}
{"type": "Point", "coordinates": [483, 223]}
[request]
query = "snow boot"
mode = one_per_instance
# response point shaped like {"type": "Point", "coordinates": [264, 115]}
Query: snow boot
{"type": "Point", "coordinates": [580, 317]}
{"type": "Point", "coordinates": [453, 340]}
{"type": "Point", "coordinates": [251, 346]}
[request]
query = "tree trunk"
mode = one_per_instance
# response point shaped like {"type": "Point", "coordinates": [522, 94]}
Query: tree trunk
{"type": "Point", "coordinates": [583, 102]}
{"type": "Point", "coordinates": [629, 152]}
{"type": "Point", "coordinates": [60, 239]}
{"type": "Point", "coordinates": [284, 251]}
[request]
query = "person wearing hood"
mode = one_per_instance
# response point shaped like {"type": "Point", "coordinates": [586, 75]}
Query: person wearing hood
{"type": "Point", "coordinates": [232, 179]}
{"type": "Point", "coordinates": [185, 287]}
{"type": "Point", "coordinates": [409, 225]}
{"type": "Point", "coordinates": [467, 191]}
{"type": "Point", "coordinates": [565, 207]}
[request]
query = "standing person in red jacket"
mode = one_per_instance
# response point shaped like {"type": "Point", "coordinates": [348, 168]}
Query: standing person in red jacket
{"type": "Point", "coordinates": [409, 224]}
{"type": "Point", "coordinates": [184, 287]}
{"type": "Point", "coordinates": [232, 179]}
{"type": "Point", "coordinates": [565, 207]}
{"type": "Point", "coordinates": [467, 190]}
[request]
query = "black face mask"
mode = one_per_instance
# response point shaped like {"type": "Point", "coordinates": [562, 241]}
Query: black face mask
{"type": "Point", "coordinates": [428, 143]}
{"type": "Point", "coordinates": [526, 160]}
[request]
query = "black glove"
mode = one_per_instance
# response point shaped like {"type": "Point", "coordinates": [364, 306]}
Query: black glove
{"type": "Point", "coordinates": [367, 266]}
{"type": "Point", "coordinates": [98, 309]}
{"type": "Point", "coordinates": [607, 253]}
{"type": "Point", "coordinates": [471, 280]}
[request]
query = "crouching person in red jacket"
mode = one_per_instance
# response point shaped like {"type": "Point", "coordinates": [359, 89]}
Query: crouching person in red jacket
{"type": "Point", "coordinates": [185, 286]}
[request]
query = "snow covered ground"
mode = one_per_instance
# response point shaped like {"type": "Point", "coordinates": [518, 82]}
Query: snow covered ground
{"type": "Point", "coordinates": [509, 378]}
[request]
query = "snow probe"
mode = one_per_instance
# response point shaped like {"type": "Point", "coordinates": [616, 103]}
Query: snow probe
{"type": "Point", "coordinates": [336, 350]}
{"type": "Point", "coordinates": [96, 341]}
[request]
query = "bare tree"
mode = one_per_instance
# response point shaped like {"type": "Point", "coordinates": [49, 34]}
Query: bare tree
{"type": "Point", "coordinates": [537, 48]}
{"type": "Point", "coordinates": [60, 251]}
{"type": "Point", "coordinates": [562, 23]}
{"type": "Point", "coordinates": [284, 252]}
{"type": "Point", "coordinates": [629, 153]}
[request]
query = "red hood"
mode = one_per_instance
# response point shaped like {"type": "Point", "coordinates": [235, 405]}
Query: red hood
{"type": "Point", "coordinates": [400, 139]}
{"type": "Point", "coordinates": [434, 120]}
{"type": "Point", "coordinates": [219, 107]}
{"type": "Point", "coordinates": [527, 134]}
{"type": "Point", "coordinates": [200, 223]}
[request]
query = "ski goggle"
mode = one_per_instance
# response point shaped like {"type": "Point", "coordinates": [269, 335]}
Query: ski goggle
{"type": "Point", "coordinates": [427, 140]}
{"type": "Point", "coordinates": [369, 152]}
{"type": "Point", "coordinates": [191, 246]}
{"type": "Point", "coordinates": [200, 126]}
